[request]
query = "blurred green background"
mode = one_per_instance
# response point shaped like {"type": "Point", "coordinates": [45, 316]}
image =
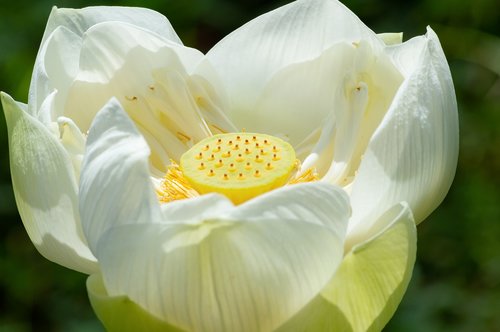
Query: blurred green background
{"type": "Point", "coordinates": [456, 283]}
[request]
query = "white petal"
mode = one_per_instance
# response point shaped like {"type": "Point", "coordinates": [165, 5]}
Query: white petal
{"type": "Point", "coordinates": [46, 190]}
{"type": "Point", "coordinates": [229, 274]}
{"type": "Point", "coordinates": [155, 80]}
{"type": "Point", "coordinates": [369, 284]}
{"type": "Point", "coordinates": [56, 66]}
{"type": "Point", "coordinates": [80, 20]}
{"type": "Point", "coordinates": [115, 187]}
{"type": "Point", "coordinates": [300, 31]}
{"type": "Point", "coordinates": [289, 203]}
{"type": "Point", "coordinates": [62, 36]}
{"type": "Point", "coordinates": [295, 115]}
{"type": "Point", "coordinates": [199, 208]}
{"type": "Point", "coordinates": [368, 92]}
{"type": "Point", "coordinates": [413, 154]}
{"type": "Point", "coordinates": [362, 88]}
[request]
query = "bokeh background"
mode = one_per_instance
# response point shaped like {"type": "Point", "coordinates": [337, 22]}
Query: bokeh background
{"type": "Point", "coordinates": [456, 282]}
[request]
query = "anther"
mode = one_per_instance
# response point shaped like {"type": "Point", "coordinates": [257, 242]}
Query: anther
{"type": "Point", "coordinates": [247, 151]}
{"type": "Point", "coordinates": [211, 173]}
{"type": "Point", "coordinates": [236, 147]}
{"type": "Point", "coordinates": [199, 156]}
{"type": "Point", "coordinates": [230, 143]}
{"type": "Point", "coordinates": [238, 138]}
{"type": "Point", "coordinates": [225, 177]}
{"type": "Point", "coordinates": [206, 147]}
{"type": "Point", "coordinates": [275, 157]}
{"type": "Point", "coordinates": [240, 176]}
{"type": "Point", "coordinates": [254, 138]}
{"type": "Point", "coordinates": [275, 149]}
{"type": "Point", "coordinates": [256, 174]}
{"type": "Point", "coordinates": [202, 166]}
{"type": "Point", "coordinates": [266, 141]}
{"type": "Point", "coordinates": [227, 154]}
{"type": "Point", "coordinates": [247, 142]}
{"type": "Point", "coordinates": [219, 163]}
{"type": "Point", "coordinates": [269, 166]}
{"type": "Point", "coordinates": [217, 149]}
{"type": "Point", "coordinates": [219, 141]}
{"type": "Point", "coordinates": [212, 157]}
{"type": "Point", "coordinates": [256, 145]}
{"type": "Point", "coordinates": [248, 166]}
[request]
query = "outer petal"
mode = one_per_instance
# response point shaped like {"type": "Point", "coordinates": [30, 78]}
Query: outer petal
{"type": "Point", "coordinates": [413, 154]}
{"type": "Point", "coordinates": [224, 274]}
{"type": "Point", "coordinates": [369, 284]}
{"type": "Point", "coordinates": [300, 31]}
{"type": "Point", "coordinates": [115, 187]}
{"type": "Point", "coordinates": [75, 22]}
{"type": "Point", "coordinates": [46, 190]}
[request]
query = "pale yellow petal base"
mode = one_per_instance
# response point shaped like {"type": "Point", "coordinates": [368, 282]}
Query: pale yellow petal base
{"type": "Point", "coordinates": [119, 313]}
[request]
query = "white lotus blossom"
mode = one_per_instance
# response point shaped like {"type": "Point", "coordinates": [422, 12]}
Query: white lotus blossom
{"type": "Point", "coordinates": [119, 109]}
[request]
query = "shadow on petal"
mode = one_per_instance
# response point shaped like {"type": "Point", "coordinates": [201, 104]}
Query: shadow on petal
{"type": "Point", "coordinates": [119, 313]}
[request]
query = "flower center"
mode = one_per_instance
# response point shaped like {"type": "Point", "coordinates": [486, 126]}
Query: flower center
{"type": "Point", "coordinates": [238, 165]}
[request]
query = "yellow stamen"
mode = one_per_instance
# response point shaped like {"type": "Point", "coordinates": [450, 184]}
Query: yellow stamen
{"type": "Point", "coordinates": [309, 175]}
{"type": "Point", "coordinates": [175, 186]}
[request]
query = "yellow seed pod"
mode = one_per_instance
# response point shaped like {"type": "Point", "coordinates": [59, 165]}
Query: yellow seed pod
{"type": "Point", "coordinates": [239, 176]}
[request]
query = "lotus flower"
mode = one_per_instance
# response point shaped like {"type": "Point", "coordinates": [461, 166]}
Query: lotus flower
{"type": "Point", "coordinates": [273, 184]}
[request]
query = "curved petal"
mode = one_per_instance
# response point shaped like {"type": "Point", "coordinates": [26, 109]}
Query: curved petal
{"type": "Point", "coordinates": [361, 92]}
{"type": "Point", "coordinates": [46, 190]}
{"type": "Point", "coordinates": [369, 284]}
{"type": "Point", "coordinates": [155, 80]}
{"type": "Point", "coordinates": [320, 81]}
{"type": "Point", "coordinates": [80, 20]}
{"type": "Point", "coordinates": [74, 22]}
{"type": "Point", "coordinates": [413, 154]}
{"type": "Point", "coordinates": [229, 274]}
{"type": "Point", "coordinates": [55, 67]}
{"type": "Point", "coordinates": [115, 187]}
{"type": "Point", "coordinates": [119, 313]}
{"type": "Point", "coordinates": [288, 203]}
{"type": "Point", "coordinates": [247, 58]}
